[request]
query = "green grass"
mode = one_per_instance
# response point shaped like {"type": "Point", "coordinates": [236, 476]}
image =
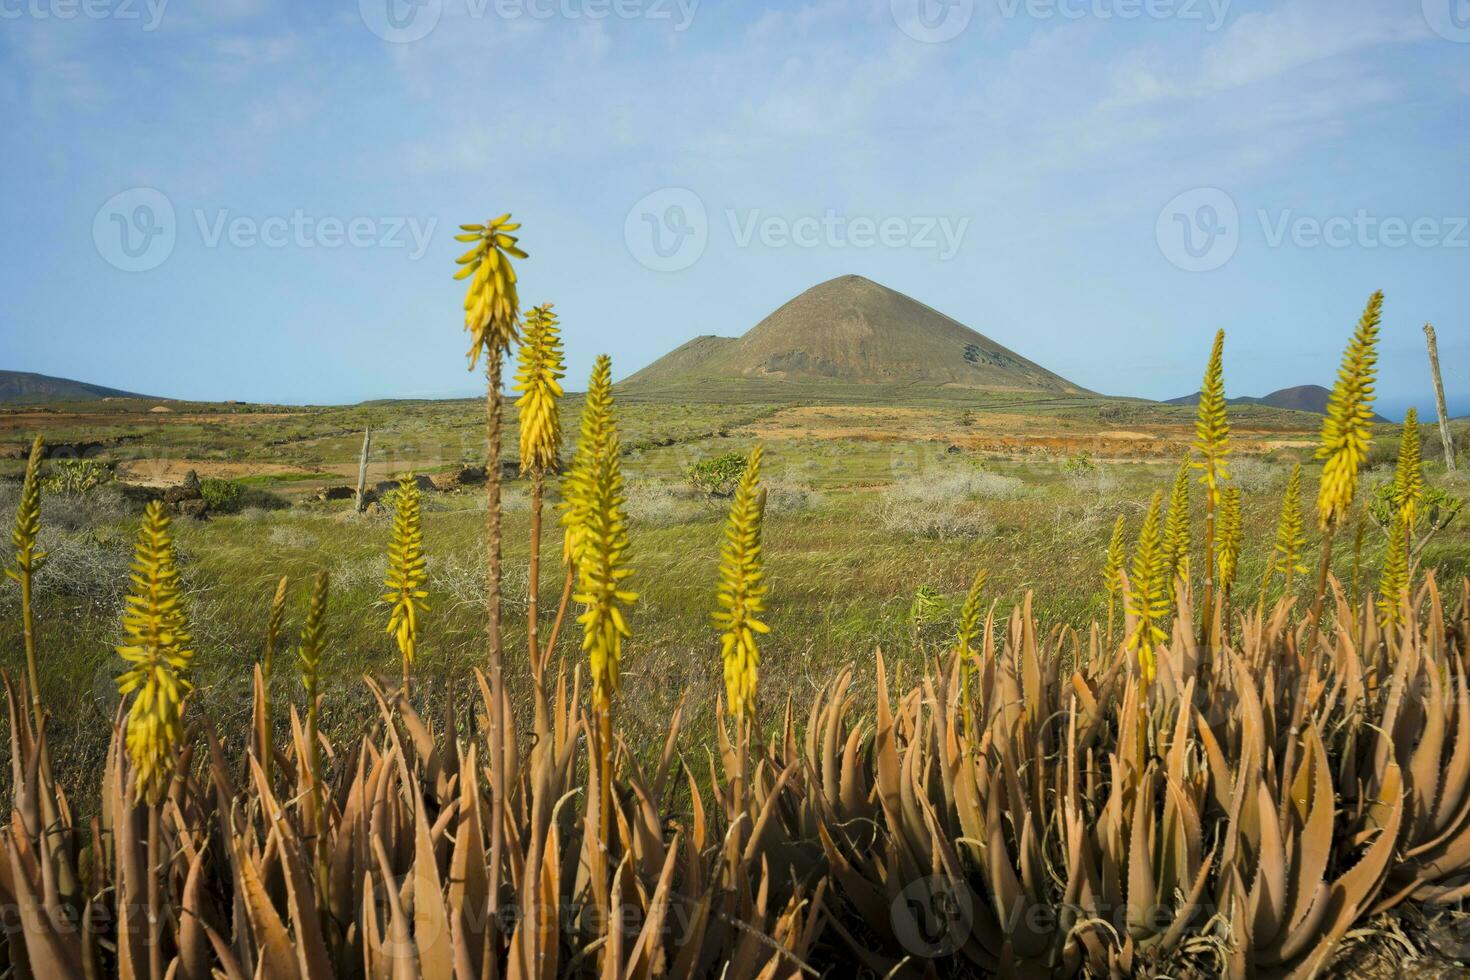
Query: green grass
{"type": "Point", "coordinates": [854, 528]}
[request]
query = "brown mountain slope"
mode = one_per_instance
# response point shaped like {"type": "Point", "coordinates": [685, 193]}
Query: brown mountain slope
{"type": "Point", "coordinates": [852, 330]}
{"type": "Point", "coordinates": [1301, 398]}
{"type": "Point", "coordinates": [24, 386]}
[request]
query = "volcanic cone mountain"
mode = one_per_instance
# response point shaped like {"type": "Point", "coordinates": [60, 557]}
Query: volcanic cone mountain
{"type": "Point", "coordinates": [851, 330]}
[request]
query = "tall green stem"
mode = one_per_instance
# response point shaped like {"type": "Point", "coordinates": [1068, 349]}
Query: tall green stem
{"type": "Point", "coordinates": [33, 675]}
{"type": "Point", "coordinates": [155, 896]}
{"type": "Point", "coordinates": [533, 587]}
{"type": "Point", "coordinates": [492, 619]}
{"type": "Point", "coordinates": [1207, 616]}
{"type": "Point", "coordinates": [1322, 570]}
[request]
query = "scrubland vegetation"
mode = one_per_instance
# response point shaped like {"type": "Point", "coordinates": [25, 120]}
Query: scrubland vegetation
{"type": "Point", "coordinates": [653, 710]}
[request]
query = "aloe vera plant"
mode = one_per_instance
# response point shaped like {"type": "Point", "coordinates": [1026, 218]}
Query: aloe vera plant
{"type": "Point", "coordinates": [1035, 802]}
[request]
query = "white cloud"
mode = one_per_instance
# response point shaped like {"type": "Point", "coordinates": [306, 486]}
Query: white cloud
{"type": "Point", "coordinates": [781, 25]}
{"type": "Point", "coordinates": [1265, 44]}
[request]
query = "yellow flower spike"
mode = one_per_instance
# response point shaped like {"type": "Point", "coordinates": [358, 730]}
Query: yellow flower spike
{"type": "Point", "coordinates": [28, 518]}
{"type": "Point", "coordinates": [157, 646]}
{"type": "Point", "coordinates": [314, 640]}
{"type": "Point", "coordinates": [1177, 531]}
{"type": "Point", "coordinates": [1347, 430]}
{"type": "Point", "coordinates": [1232, 536]}
{"type": "Point", "coordinates": [490, 303]}
{"type": "Point", "coordinates": [1113, 565]}
{"type": "Point", "coordinates": [965, 639]}
{"type": "Point", "coordinates": [596, 419]}
{"type": "Point", "coordinates": [539, 371]}
{"type": "Point", "coordinates": [309, 660]}
{"type": "Point", "coordinates": [970, 615]}
{"type": "Point", "coordinates": [597, 536]}
{"type": "Point", "coordinates": [741, 593]}
{"type": "Point", "coordinates": [407, 569]}
{"type": "Point", "coordinates": [1212, 425]}
{"type": "Point", "coordinates": [1393, 581]}
{"type": "Point", "coordinates": [1291, 537]}
{"type": "Point", "coordinates": [28, 560]}
{"type": "Point", "coordinates": [273, 627]}
{"type": "Point", "coordinates": [1146, 599]}
{"type": "Point", "coordinates": [1113, 573]}
{"type": "Point", "coordinates": [1408, 474]}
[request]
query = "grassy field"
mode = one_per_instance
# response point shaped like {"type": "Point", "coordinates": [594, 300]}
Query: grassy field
{"type": "Point", "coordinates": [879, 514]}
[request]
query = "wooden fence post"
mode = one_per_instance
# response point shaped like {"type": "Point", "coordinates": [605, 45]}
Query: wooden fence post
{"type": "Point", "coordinates": [362, 463]}
{"type": "Point", "coordinates": [1444, 421]}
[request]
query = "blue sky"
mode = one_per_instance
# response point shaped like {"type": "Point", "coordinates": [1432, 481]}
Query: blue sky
{"type": "Point", "coordinates": [256, 199]}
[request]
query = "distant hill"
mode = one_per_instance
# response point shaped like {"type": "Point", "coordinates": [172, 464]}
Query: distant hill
{"type": "Point", "coordinates": [1302, 398]}
{"type": "Point", "coordinates": [853, 331]}
{"type": "Point", "coordinates": [22, 386]}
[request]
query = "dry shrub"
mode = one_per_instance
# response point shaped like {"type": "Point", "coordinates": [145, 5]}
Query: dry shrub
{"type": "Point", "coordinates": [291, 538]}
{"type": "Point", "coordinates": [364, 573]}
{"type": "Point", "coordinates": [87, 555]}
{"type": "Point", "coordinates": [661, 504]}
{"type": "Point", "coordinates": [1095, 482]}
{"type": "Point", "coordinates": [461, 580]}
{"type": "Point", "coordinates": [90, 565]}
{"type": "Point", "coordinates": [98, 508]}
{"type": "Point", "coordinates": [791, 498]}
{"type": "Point", "coordinates": [946, 507]}
{"type": "Point", "coordinates": [1256, 475]}
{"type": "Point", "coordinates": [658, 503]}
{"type": "Point", "coordinates": [942, 522]}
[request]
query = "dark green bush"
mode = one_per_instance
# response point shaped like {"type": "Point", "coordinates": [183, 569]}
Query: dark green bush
{"type": "Point", "coordinates": [231, 497]}
{"type": "Point", "coordinates": [222, 496]}
{"type": "Point", "coordinates": [717, 476]}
